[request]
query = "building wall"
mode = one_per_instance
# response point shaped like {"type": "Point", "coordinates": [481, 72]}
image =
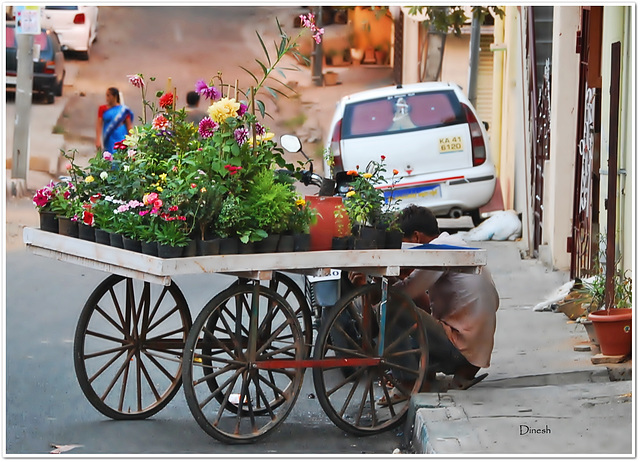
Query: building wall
{"type": "Point", "coordinates": [558, 171]}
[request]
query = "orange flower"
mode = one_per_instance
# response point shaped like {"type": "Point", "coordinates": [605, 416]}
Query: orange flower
{"type": "Point", "coordinates": [352, 173]}
{"type": "Point", "coordinates": [395, 171]}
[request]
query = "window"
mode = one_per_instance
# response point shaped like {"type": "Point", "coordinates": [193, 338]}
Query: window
{"type": "Point", "coordinates": [401, 113]}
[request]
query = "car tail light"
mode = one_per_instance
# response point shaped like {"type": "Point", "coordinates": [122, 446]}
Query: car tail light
{"type": "Point", "coordinates": [477, 140]}
{"type": "Point", "coordinates": [50, 67]}
{"type": "Point", "coordinates": [79, 18]}
{"type": "Point", "coordinates": [335, 147]}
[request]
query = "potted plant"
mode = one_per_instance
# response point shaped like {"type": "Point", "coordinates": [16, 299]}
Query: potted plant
{"type": "Point", "coordinates": [612, 323]}
{"type": "Point", "coordinates": [42, 200]}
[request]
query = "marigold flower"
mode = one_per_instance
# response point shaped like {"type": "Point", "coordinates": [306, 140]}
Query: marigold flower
{"type": "Point", "coordinates": [203, 190]}
{"type": "Point", "coordinates": [301, 202]}
{"type": "Point", "coordinates": [160, 122]}
{"type": "Point", "coordinates": [207, 127]}
{"type": "Point", "coordinates": [395, 171]}
{"type": "Point", "coordinates": [222, 109]}
{"type": "Point", "coordinates": [136, 80]}
{"type": "Point", "coordinates": [159, 188]}
{"type": "Point", "coordinates": [350, 193]}
{"type": "Point", "coordinates": [367, 175]}
{"type": "Point", "coordinates": [352, 173]}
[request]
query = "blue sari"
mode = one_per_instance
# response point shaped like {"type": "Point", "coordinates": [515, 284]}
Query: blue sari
{"type": "Point", "coordinates": [114, 128]}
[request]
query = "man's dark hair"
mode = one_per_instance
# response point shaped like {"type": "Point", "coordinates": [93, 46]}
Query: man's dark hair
{"type": "Point", "coordinates": [193, 98]}
{"type": "Point", "coordinates": [415, 218]}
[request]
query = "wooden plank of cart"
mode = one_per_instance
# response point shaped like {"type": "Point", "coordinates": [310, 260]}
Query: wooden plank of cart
{"type": "Point", "coordinates": [242, 360]}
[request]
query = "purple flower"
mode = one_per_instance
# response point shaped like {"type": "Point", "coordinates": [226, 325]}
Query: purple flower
{"type": "Point", "coordinates": [207, 127]}
{"type": "Point", "coordinates": [241, 135]}
{"type": "Point", "coordinates": [242, 110]}
{"type": "Point", "coordinates": [208, 92]}
{"type": "Point", "coordinates": [260, 130]}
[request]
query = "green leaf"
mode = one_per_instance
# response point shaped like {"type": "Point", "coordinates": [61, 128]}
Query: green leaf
{"type": "Point", "coordinates": [264, 48]}
{"type": "Point", "coordinates": [261, 107]}
{"type": "Point", "coordinates": [251, 74]}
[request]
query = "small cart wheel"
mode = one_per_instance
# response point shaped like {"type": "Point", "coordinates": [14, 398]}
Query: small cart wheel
{"type": "Point", "coordinates": [128, 346]}
{"type": "Point", "coordinates": [352, 385]}
{"type": "Point", "coordinates": [239, 376]}
{"type": "Point", "coordinates": [293, 294]}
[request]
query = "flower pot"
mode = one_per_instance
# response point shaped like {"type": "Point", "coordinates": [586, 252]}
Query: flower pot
{"type": "Point", "coordinates": [150, 248]}
{"type": "Point", "coordinates": [330, 78]}
{"type": "Point", "coordinates": [249, 247]}
{"type": "Point", "coordinates": [573, 308]}
{"type": "Point", "coordinates": [368, 237]}
{"type": "Point", "coordinates": [66, 227]}
{"type": "Point", "coordinates": [301, 242]}
{"type": "Point", "coordinates": [208, 247]}
{"type": "Point", "coordinates": [132, 244]}
{"type": "Point", "coordinates": [286, 243]}
{"type": "Point", "coordinates": [591, 332]}
{"type": "Point", "coordinates": [86, 232]}
{"type": "Point", "coordinates": [393, 239]}
{"type": "Point", "coordinates": [48, 221]}
{"type": "Point", "coordinates": [115, 240]}
{"type": "Point", "coordinates": [169, 251]}
{"type": "Point", "coordinates": [102, 236]}
{"type": "Point", "coordinates": [327, 225]}
{"type": "Point", "coordinates": [267, 245]}
{"type": "Point", "coordinates": [229, 245]}
{"type": "Point", "coordinates": [613, 329]}
{"type": "Point", "coordinates": [342, 243]}
{"type": "Point", "coordinates": [191, 249]}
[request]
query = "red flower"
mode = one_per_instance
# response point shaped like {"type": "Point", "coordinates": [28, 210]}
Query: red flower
{"type": "Point", "coordinates": [95, 198]}
{"type": "Point", "coordinates": [382, 157]}
{"type": "Point", "coordinates": [87, 218]}
{"type": "Point", "coordinates": [173, 208]}
{"type": "Point", "coordinates": [157, 203]}
{"type": "Point", "coordinates": [352, 173]}
{"type": "Point", "coordinates": [166, 100]}
{"type": "Point", "coordinates": [193, 185]}
{"type": "Point", "coordinates": [119, 145]}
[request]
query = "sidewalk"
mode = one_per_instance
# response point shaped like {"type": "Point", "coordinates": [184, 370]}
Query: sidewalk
{"type": "Point", "coordinates": [541, 396]}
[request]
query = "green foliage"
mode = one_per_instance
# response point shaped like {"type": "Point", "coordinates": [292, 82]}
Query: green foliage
{"type": "Point", "coordinates": [622, 283]}
{"type": "Point", "coordinates": [446, 18]}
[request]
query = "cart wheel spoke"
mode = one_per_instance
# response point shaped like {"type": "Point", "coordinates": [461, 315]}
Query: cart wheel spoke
{"type": "Point", "coordinates": [233, 399]}
{"type": "Point", "coordinates": [350, 394]}
{"type": "Point", "coordinates": [124, 372]}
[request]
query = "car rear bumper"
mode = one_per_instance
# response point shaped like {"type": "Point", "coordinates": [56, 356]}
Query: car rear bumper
{"type": "Point", "coordinates": [41, 82]}
{"type": "Point", "coordinates": [74, 39]}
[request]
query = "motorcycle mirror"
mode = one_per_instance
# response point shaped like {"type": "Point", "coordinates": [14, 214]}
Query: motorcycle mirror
{"type": "Point", "coordinates": [291, 143]}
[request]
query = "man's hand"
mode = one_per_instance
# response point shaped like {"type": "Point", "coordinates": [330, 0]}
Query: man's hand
{"type": "Point", "coordinates": [357, 279]}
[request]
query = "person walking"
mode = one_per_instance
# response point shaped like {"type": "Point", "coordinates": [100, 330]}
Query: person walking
{"type": "Point", "coordinates": [114, 121]}
{"type": "Point", "coordinates": [194, 114]}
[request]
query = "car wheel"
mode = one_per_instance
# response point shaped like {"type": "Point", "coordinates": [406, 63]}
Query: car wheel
{"type": "Point", "coordinates": [475, 216]}
{"type": "Point", "coordinates": [84, 55]}
{"type": "Point", "coordinates": [50, 97]}
{"type": "Point", "coordinates": [59, 86]}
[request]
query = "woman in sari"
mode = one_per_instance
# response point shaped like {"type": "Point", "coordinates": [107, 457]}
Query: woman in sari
{"type": "Point", "coordinates": [114, 121]}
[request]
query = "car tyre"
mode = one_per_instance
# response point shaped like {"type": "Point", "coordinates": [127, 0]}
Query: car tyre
{"type": "Point", "coordinates": [50, 97]}
{"type": "Point", "coordinates": [60, 86]}
{"type": "Point", "coordinates": [475, 216]}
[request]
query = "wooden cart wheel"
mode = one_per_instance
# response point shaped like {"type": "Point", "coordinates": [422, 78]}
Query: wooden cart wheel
{"type": "Point", "coordinates": [293, 294]}
{"type": "Point", "coordinates": [234, 386]}
{"type": "Point", "coordinates": [351, 396]}
{"type": "Point", "coordinates": [128, 346]}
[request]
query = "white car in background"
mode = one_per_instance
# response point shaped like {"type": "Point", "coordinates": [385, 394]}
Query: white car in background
{"type": "Point", "coordinates": [76, 26]}
{"type": "Point", "coordinates": [429, 132]}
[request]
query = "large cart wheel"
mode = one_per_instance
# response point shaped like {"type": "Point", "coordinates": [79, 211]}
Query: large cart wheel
{"type": "Point", "coordinates": [240, 380]}
{"type": "Point", "coordinates": [352, 384]}
{"type": "Point", "coordinates": [293, 294]}
{"type": "Point", "coordinates": [128, 346]}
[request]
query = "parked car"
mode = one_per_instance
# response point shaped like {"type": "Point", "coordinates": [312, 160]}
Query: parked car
{"type": "Point", "coordinates": [48, 68]}
{"type": "Point", "coordinates": [77, 26]}
{"type": "Point", "coordinates": [429, 132]}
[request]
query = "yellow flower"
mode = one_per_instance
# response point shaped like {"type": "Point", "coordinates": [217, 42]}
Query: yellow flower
{"type": "Point", "coordinates": [350, 193]}
{"type": "Point", "coordinates": [222, 109]}
{"type": "Point", "coordinates": [163, 176]}
{"type": "Point", "coordinates": [203, 190]}
{"type": "Point", "coordinates": [262, 138]}
{"type": "Point", "coordinates": [367, 175]}
{"type": "Point", "coordinates": [300, 202]}
{"type": "Point", "coordinates": [89, 179]}
{"type": "Point", "coordinates": [159, 188]}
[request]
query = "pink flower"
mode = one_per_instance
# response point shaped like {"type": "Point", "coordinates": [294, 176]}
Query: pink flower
{"type": "Point", "coordinates": [149, 198]}
{"type": "Point", "coordinates": [208, 92]}
{"type": "Point", "coordinates": [174, 168]}
{"type": "Point", "coordinates": [160, 122]}
{"type": "Point", "coordinates": [308, 21]}
{"type": "Point", "coordinates": [136, 80]}
{"type": "Point", "coordinates": [207, 127]}
{"type": "Point", "coordinates": [107, 156]}
{"type": "Point", "coordinates": [157, 203]}
{"type": "Point", "coordinates": [143, 212]}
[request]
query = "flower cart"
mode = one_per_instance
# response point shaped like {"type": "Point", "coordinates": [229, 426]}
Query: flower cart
{"type": "Point", "coordinates": [243, 359]}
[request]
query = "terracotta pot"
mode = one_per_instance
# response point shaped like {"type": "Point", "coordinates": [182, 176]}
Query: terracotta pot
{"type": "Point", "coordinates": [330, 78]}
{"type": "Point", "coordinates": [613, 329]}
{"type": "Point", "coordinates": [48, 221]}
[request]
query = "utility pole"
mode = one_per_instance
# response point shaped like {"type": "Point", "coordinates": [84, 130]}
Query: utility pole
{"type": "Point", "coordinates": [316, 74]}
{"type": "Point", "coordinates": [27, 25]}
{"type": "Point", "coordinates": [474, 58]}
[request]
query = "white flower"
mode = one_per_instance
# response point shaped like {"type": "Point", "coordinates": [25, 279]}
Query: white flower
{"type": "Point", "coordinates": [126, 168]}
{"type": "Point", "coordinates": [104, 175]}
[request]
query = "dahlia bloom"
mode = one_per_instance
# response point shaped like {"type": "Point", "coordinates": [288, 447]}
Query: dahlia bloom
{"type": "Point", "coordinates": [222, 109]}
{"type": "Point", "coordinates": [208, 92]}
{"type": "Point", "coordinates": [136, 80]}
{"type": "Point", "coordinates": [166, 101]}
{"type": "Point", "coordinates": [241, 135]}
{"type": "Point", "coordinates": [207, 127]}
{"type": "Point", "coordinates": [160, 122]}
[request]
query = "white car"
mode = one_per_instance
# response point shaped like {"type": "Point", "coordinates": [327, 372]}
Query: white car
{"type": "Point", "coordinates": [429, 132]}
{"type": "Point", "coordinates": [76, 26]}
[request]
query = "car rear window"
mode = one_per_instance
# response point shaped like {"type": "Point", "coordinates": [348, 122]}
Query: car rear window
{"type": "Point", "coordinates": [398, 113]}
{"type": "Point", "coordinates": [10, 36]}
{"type": "Point", "coordinates": [60, 7]}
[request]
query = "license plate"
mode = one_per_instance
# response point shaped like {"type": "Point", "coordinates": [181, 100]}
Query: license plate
{"type": "Point", "coordinates": [431, 191]}
{"type": "Point", "coordinates": [451, 144]}
{"type": "Point", "coordinates": [12, 80]}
